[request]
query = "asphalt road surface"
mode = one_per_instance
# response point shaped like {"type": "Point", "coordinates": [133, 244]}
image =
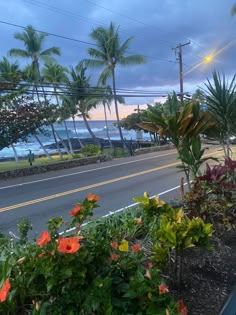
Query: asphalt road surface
{"type": "Point", "coordinates": [40, 197]}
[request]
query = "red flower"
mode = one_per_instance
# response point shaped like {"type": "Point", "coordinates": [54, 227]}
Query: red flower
{"type": "Point", "coordinates": [149, 264]}
{"type": "Point", "coordinates": [92, 197]}
{"type": "Point", "coordinates": [163, 288]}
{"type": "Point", "coordinates": [136, 247]}
{"type": "Point", "coordinates": [114, 256]}
{"type": "Point", "coordinates": [182, 308]}
{"type": "Point", "coordinates": [68, 244]}
{"type": "Point", "coordinates": [44, 238]}
{"type": "Point", "coordinates": [4, 290]}
{"type": "Point", "coordinates": [114, 244]}
{"type": "Point", "coordinates": [75, 210]}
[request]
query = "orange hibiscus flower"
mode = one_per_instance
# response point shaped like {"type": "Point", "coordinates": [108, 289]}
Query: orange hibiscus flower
{"type": "Point", "coordinates": [4, 290]}
{"type": "Point", "coordinates": [92, 197]}
{"type": "Point", "coordinates": [163, 288]}
{"type": "Point", "coordinates": [75, 210]}
{"type": "Point", "coordinates": [44, 238]}
{"type": "Point", "coordinates": [68, 244]}
{"type": "Point", "coordinates": [136, 247]}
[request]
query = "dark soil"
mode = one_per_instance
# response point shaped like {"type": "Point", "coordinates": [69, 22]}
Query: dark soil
{"type": "Point", "coordinates": [208, 276]}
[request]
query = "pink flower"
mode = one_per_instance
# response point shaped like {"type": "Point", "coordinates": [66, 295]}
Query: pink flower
{"type": "Point", "coordinates": [114, 256]}
{"type": "Point", "coordinates": [114, 244]}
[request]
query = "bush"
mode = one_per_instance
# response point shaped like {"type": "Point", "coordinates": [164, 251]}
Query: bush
{"type": "Point", "coordinates": [90, 150]}
{"type": "Point", "coordinates": [87, 272]}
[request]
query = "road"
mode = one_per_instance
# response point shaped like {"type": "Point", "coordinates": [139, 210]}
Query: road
{"type": "Point", "coordinates": [40, 197]}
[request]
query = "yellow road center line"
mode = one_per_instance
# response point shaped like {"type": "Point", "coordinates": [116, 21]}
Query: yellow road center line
{"type": "Point", "coordinates": [69, 192]}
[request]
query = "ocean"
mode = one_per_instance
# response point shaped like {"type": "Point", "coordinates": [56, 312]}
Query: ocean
{"type": "Point", "coordinates": [97, 126]}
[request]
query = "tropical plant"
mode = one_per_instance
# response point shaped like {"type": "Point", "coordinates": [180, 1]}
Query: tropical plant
{"type": "Point", "coordinates": [213, 195]}
{"type": "Point", "coordinates": [183, 128]}
{"type": "Point", "coordinates": [10, 75]}
{"type": "Point", "coordinates": [55, 74]}
{"type": "Point", "coordinates": [109, 53]}
{"type": "Point", "coordinates": [82, 95]}
{"type": "Point", "coordinates": [33, 42]}
{"type": "Point", "coordinates": [221, 103]}
{"type": "Point", "coordinates": [82, 273]}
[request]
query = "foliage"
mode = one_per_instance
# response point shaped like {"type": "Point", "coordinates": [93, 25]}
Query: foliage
{"type": "Point", "coordinates": [24, 226]}
{"type": "Point", "coordinates": [183, 128]}
{"type": "Point", "coordinates": [90, 150]}
{"type": "Point", "coordinates": [82, 273]}
{"type": "Point", "coordinates": [110, 52]}
{"type": "Point", "coordinates": [213, 195]}
{"type": "Point", "coordinates": [21, 118]}
{"type": "Point", "coordinates": [221, 103]}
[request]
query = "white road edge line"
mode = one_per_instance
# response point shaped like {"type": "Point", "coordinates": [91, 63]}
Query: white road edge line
{"type": "Point", "coordinates": [87, 171]}
{"type": "Point", "coordinates": [123, 209]}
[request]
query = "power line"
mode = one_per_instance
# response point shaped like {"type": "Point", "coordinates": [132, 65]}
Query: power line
{"type": "Point", "coordinates": [130, 18]}
{"type": "Point", "coordinates": [48, 33]}
{"type": "Point", "coordinates": [72, 39]}
{"type": "Point", "coordinates": [68, 13]}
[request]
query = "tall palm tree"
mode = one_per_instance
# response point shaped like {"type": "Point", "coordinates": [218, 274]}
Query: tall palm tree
{"type": "Point", "coordinates": [109, 53]}
{"type": "Point", "coordinates": [55, 74]}
{"type": "Point", "coordinates": [81, 95]}
{"type": "Point", "coordinates": [34, 42]}
{"type": "Point", "coordinates": [106, 100]}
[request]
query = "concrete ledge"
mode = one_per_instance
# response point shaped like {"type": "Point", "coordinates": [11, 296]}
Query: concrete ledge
{"type": "Point", "coordinates": [37, 169]}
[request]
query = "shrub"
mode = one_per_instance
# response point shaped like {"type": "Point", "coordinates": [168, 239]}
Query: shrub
{"type": "Point", "coordinates": [90, 150]}
{"type": "Point", "coordinates": [83, 273]}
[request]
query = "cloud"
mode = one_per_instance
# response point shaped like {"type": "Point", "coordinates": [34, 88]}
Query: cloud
{"type": "Point", "coordinates": [157, 26]}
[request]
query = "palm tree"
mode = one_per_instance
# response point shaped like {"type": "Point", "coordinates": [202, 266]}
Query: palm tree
{"type": "Point", "coordinates": [56, 74]}
{"type": "Point", "coordinates": [110, 52]}
{"type": "Point", "coordinates": [33, 42]}
{"type": "Point", "coordinates": [233, 9]}
{"type": "Point", "coordinates": [81, 95]}
{"type": "Point", "coordinates": [221, 103]}
{"type": "Point", "coordinates": [106, 99]}
{"type": "Point", "coordinates": [10, 74]}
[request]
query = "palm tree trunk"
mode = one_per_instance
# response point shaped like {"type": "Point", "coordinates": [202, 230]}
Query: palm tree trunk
{"type": "Point", "coordinates": [88, 127]}
{"type": "Point", "coordinates": [42, 147]}
{"type": "Point", "coordinates": [45, 99]}
{"type": "Point", "coordinates": [68, 137]}
{"type": "Point", "coordinates": [15, 153]}
{"type": "Point", "coordinates": [106, 124]}
{"type": "Point", "coordinates": [62, 141]}
{"type": "Point", "coordinates": [116, 105]}
{"type": "Point", "coordinates": [80, 143]}
{"type": "Point", "coordinates": [56, 142]}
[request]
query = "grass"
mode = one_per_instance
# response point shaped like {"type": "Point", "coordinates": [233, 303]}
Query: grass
{"type": "Point", "coordinates": [12, 165]}
{"type": "Point", "coordinates": [23, 163]}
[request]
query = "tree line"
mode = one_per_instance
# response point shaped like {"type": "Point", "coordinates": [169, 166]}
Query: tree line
{"type": "Point", "coordinates": [28, 89]}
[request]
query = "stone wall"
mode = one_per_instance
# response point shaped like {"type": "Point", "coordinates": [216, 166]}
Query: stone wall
{"type": "Point", "coordinates": [37, 169]}
{"type": "Point", "coordinates": [153, 149]}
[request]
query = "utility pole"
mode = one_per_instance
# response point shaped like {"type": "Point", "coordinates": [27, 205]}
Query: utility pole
{"type": "Point", "coordinates": [179, 47]}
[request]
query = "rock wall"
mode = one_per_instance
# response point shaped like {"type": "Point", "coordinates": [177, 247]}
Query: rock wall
{"type": "Point", "coordinates": [37, 169]}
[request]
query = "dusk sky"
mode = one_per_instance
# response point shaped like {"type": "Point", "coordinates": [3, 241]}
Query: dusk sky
{"type": "Point", "coordinates": [158, 26]}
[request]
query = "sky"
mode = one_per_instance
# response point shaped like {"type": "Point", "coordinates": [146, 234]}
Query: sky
{"type": "Point", "coordinates": [157, 28]}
